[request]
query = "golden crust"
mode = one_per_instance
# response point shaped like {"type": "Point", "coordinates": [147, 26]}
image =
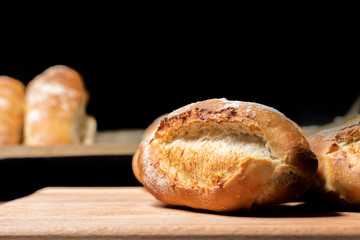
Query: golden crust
{"type": "Point", "coordinates": [352, 119]}
{"type": "Point", "coordinates": [148, 131]}
{"type": "Point", "coordinates": [338, 152]}
{"type": "Point", "coordinates": [224, 155]}
{"type": "Point", "coordinates": [12, 94]}
{"type": "Point", "coordinates": [55, 108]}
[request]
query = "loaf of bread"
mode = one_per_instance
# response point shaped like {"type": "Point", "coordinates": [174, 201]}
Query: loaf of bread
{"type": "Point", "coordinates": [222, 155]}
{"type": "Point", "coordinates": [12, 94]}
{"type": "Point", "coordinates": [338, 177]}
{"type": "Point", "coordinates": [55, 109]}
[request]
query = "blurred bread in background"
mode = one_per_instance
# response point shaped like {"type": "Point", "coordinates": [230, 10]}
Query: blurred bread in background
{"type": "Point", "coordinates": [55, 109]}
{"type": "Point", "coordinates": [12, 94]}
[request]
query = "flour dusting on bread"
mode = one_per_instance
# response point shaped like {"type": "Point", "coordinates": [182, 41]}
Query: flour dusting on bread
{"type": "Point", "coordinates": [55, 109]}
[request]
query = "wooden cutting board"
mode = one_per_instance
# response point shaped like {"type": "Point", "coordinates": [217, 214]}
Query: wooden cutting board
{"type": "Point", "coordinates": [132, 213]}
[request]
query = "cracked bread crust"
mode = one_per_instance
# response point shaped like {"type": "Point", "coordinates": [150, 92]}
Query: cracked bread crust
{"type": "Point", "coordinates": [338, 152]}
{"type": "Point", "coordinates": [224, 155]}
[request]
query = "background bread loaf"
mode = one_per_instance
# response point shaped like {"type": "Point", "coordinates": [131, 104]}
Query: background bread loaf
{"type": "Point", "coordinates": [55, 109]}
{"type": "Point", "coordinates": [12, 94]}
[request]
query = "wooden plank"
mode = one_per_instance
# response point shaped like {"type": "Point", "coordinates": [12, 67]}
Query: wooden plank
{"type": "Point", "coordinates": [132, 213]}
{"type": "Point", "coordinates": [115, 142]}
{"type": "Point", "coordinates": [19, 151]}
{"type": "Point", "coordinates": [119, 136]}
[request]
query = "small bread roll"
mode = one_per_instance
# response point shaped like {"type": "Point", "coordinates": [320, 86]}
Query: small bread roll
{"type": "Point", "coordinates": [224, 155]}
{"type": "Point", "coordinates": [338, 176]}
{"type": "Point", "coordinates": [12, 94]}
{"type": "Point", "coordinates": [55, 109]}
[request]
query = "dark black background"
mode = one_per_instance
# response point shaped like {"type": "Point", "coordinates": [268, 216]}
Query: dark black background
{"type": "Point", "coordinates": [142, 60]}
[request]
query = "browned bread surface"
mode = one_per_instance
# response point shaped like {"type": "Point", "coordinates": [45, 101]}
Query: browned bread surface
{"type": "Point", "coordinates": [224, 155]}
{"type": "Point", "coordinates": [338, 152]}
{"type": "Point", "coordinates": [352, 119]}
{"type": "Point", "coordinates": [12, 94]}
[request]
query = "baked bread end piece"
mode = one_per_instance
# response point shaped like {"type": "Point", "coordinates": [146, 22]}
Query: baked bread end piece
{"type": "Point", "coordinates": [338, 152]}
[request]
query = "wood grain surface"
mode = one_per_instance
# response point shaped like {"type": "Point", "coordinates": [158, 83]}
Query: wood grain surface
{"type": "Point", "coordinates": [19, 151]}
{"type": "Point", "coordinates": [116, 142]}
{"type": "Point", "coordinates": [132, 213]}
